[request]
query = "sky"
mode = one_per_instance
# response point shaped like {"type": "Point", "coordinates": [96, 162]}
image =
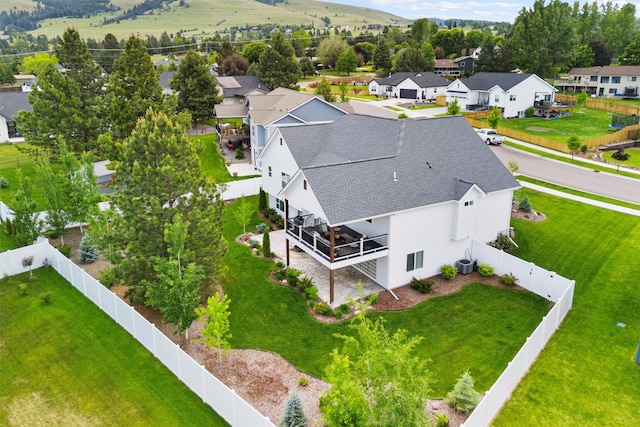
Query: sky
{"type": "Point", "coordinates": [490, 10]}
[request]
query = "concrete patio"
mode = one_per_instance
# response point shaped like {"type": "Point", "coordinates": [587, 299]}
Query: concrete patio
{"type": "Point", "coordinates": [345, 279]}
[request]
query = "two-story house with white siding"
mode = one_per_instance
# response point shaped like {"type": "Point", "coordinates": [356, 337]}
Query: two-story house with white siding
{"type": "Point", "coordinates": [604, 81]}
{"type": "Point", "coordinates": [512, 93]}
{"type": "Point", "coordinates": [395, 199]}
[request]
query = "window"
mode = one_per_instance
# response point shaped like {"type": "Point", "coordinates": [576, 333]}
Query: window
{"type": "Point", "coordinates": [521, 114]}
{"type": "Point", "coordinates": [613, 91]}
{"type": "Point", "coordinates": [604, 79]}
{"type": "Point", "coordinates": [285, 179]}
{"type": "Point", "coordinates": [593, 78]}
{"type": "Point", "coordinates": [632, 78]}
{"type": "Point", "coordinates": [304, 184]}
{"type": "Point", "coordinates": [280, 141]}
{"type": "Point", "coordinates": [280, 205]}
{"type": "Point", "coordinates": [469, 203]}
{"type": "Point", "coordinates": [615, 79]}
{"type": "Point", "coordinates": [512, 97]}
{"type": "Point", "coordinates": [547, 98]}
{"type": "Point", "coordinates": [269, 168]}
{"type": "Point", "coordinates": [496, 99]}
{"type": "Point", "coordinates": [414, 260]}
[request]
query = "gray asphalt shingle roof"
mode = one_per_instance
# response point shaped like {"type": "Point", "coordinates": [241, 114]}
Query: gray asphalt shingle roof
{"type": "Point", "coordinates": [360, 167]}
{"type": "Point", "coordinates": [485, 81]}
{"type": "Point", "coordinates": [12, 102]}
{"type": "Point", "coordinates": [424, 79]}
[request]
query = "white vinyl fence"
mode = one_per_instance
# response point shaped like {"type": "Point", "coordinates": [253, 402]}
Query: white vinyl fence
{"type": "Point", "coordinates": [245, 187]}
{"type": "Point", "coordinates": [235, 410]}
{"type": "Point", "coordinates": [537, 280]}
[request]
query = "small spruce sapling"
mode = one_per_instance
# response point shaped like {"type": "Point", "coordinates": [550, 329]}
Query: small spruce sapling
{"type": "Point", "coordinates": [525, 205]}
{"type": "Point", "coordinates": [88, 250]}
{"type": "Point", "coordinates": [463, 398]}
{"type": "Point", "coordinates": [294, 415]}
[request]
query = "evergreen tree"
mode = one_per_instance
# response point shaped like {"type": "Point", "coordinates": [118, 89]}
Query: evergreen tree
{"type": "Point", "coordinates": [277, 66]}
{"type": "Point", "coordinates": [294, 415]}
{"type": "Point", "coordinates": [266, 243]}
{"type": "Point", "coordinates": [463, 397]}
{"type": "Point", "coordinates": [160, 176]}
{"type": "Point", "coordinates": [410, 59]}
{"type": "Point", "coordinates": [382, 56]}
{"type": "Point", "coordinates": [197, 89]}
{"type": "Point", "coordinates": [262, 201]}
{"type": "Point", "coordinates": [134, 87]}
{"type": "Point", "coordinates": [110, 52]}
{"type": "Point", "coordinates": [88, 250]}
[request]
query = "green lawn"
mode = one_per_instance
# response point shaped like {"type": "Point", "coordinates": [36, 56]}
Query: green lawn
{"type": "Point", "coordinates": [586, 123]}
{"type": "Point", "coordinates": [634, 159]}
{"type": "Point", "coordinates": [68, 363]}
{"type": "Point", "coordinates": [480, 328]}
{"type": "Point", "coordinates": [12, 157]}
{"type": "Point", "coordinates": [587, 374]}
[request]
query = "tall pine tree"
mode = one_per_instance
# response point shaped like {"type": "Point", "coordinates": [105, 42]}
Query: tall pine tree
{"type": "Point", "coordinates": [278, 66]}
{"type": "Point", "coordinates": [160, 176]}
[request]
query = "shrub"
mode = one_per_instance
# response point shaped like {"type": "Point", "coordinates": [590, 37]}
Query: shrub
{"type": "Point", "coordinates": [525, 205]}
{"type": "Point", "coordinates": [448, 271]}
{"type": "Point", "coordinates": [262, 201]}
{"type": "Point", "coordinates": [24, 289]}
{"type": "Point", "coordinates": [303, 381]}
{"type": "Point", "coordinates": [294, 415]}
{"type": "Point", "coordinates": [65, 250]}
{"type": "Point", "coordinates": [4, 183]}
{"type": "Point", "coordinates": [620, 155]}
{"type": "Point", "coordinates": [304, 283]}
{"type": "Point", "coordinates": [253, 243]}
{"type": "Point", "coordinates": [345, 308]}
{"type": "Point", "coordinates": [508, 279]}
{"type": "Point", "coordinates": [273, 216]}
{"type": "Point", "coordinates": [463, 398]}
{"type": "Point", "coordinates": [311, 293]}
{"type": "Point", "coordinates": [266, 244]}
{"type": "Point", "coordinates": [442, 420]}
{"type": "Point", "coordinates": [46, 298]}
{"type": "Point", "coordinates": [528, 113]}
{"type": "Point", "coordinates": [262, 227]}
{"type": "Point", "coordinates": [239, 153]}
{"type": "Point", "coordinates": [502, 242]}
{"type": "Point", "coordinates": [422, 285]}
{"type": "Point", "coordinates": [485, 270]}
{"type": "Point", "coordinates": [88, 250]}
{"type": "Point", "coordinates": [403, 116]}
{"type": "Point", "coordinates": [373, 299]}
{"type": "Point", "coordinates": [292, 276]}
{"type": "Point", "coordinates": [323, 308]}
{"type": "Point", "coordinates": [108, 277]}
{"type": "Point", "coordinates": [584, 149]}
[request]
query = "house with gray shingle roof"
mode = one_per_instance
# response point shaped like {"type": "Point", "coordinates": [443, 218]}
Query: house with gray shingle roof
{"type": "Point", "coordinates": [10, 104]}
{"type": "Point", "coordinates": [395, 199]}
{"type": "Point", "coordinates": [424, 86]}
{"type": "Point", "coordinates": [282, 107]}
{"type": "Point", "coordinates": [512, 93]}
{"type": "Point", "coordinates": [606, 81]}
{"type": "Point", "coordinates": [234, 89]}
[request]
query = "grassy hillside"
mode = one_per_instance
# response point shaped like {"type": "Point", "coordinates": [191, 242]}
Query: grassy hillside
{"type": "Point", "coordinates": [204, 17]}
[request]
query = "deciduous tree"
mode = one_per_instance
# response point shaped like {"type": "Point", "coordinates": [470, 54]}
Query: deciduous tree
{"type": "Point", "coordinates": [330, 50]}
{"type": "Point", "coordinates": [453, 108]}
{"type": "Point", "coordinates": [324, 89]}
{"type": "Point", "coordinates": [495, 117]}
{"type": "Point", "coordinates": [26, 225]}
{"type": "Point", "coordinates": [347, 61]}
{"type": "Point", "coordinates": [215, 317]}
{"type": "Point", "coordinates": [573, 144]}
{"type": "Point", "coordinates": [235, 65]}
{"type": "Point", "coordinates": [410, 60]}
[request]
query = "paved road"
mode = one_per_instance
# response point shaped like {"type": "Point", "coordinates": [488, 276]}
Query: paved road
{"type": "Point", "coordinates": [602, 183]}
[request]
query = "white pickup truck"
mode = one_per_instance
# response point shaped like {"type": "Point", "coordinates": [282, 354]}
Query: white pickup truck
{"type": "Point", "coordinates": [490, 136]}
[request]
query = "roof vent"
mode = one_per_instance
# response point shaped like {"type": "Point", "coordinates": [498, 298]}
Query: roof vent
{"type": "Point", "coordinates": [395, 177]}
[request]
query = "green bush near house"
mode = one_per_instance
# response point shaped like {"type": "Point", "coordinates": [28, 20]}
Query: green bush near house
{"type": "Point", "coordinates": [448, 271]}
{"type": "Point", "coordinates": [485, 270]}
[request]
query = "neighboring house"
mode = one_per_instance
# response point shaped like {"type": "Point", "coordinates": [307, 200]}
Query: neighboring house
{"type": "Point", "coordinates": [10, 104]}
{"type": "Point", "coordinates": [366, 108]}
{"type": "Point", "coordinates": [512, 93]}
{"type": "Point", "coordinates": [284, 107]}
{"type": "Point", "coordinates": [104, 176]}
{"type": "Point", "coordinates": [425, 86]}
{"type": "Point", "coordinates": [446, 67]}
{"type": "Point", "coordinates": [395, 199]}
{"type": "Point", "coordinates": [607, 81]}
{"type": "Point", "coordinates": [465, 64]}
{"type": "Point", "coordinates": [165, 82]}
{"type": "Point", "coordinates": [234, 89]}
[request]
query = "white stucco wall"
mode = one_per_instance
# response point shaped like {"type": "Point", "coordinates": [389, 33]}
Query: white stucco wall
{"type": "Point", "coordinates": [4, 131]}
{"type": "Point", "coordinates": [279, 158]}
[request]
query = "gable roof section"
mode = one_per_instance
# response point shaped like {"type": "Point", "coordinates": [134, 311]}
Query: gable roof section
{"type": "Point", "coordinates": [486, 81]}
{"type": "Point", "coordinates": [12, 102]}
{"type": "Point", "coordinates": [608, 70]}
{"type": "Point", "coordinates": [424, 79]}
{"type": "Point", "coordinates": [361, 167]}
{"type": "Point", "coordinates": [238, 86]}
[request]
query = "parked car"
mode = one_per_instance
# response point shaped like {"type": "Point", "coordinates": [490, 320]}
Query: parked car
{"type": "Point", "coordinates": [490, 136]}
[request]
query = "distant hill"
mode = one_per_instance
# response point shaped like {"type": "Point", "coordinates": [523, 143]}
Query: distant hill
{"type": "Point", "coordinates": [203, 17]}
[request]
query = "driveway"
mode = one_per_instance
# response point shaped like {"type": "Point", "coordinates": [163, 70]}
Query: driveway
{"type": "Point", "coordinates": [602, 183]}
